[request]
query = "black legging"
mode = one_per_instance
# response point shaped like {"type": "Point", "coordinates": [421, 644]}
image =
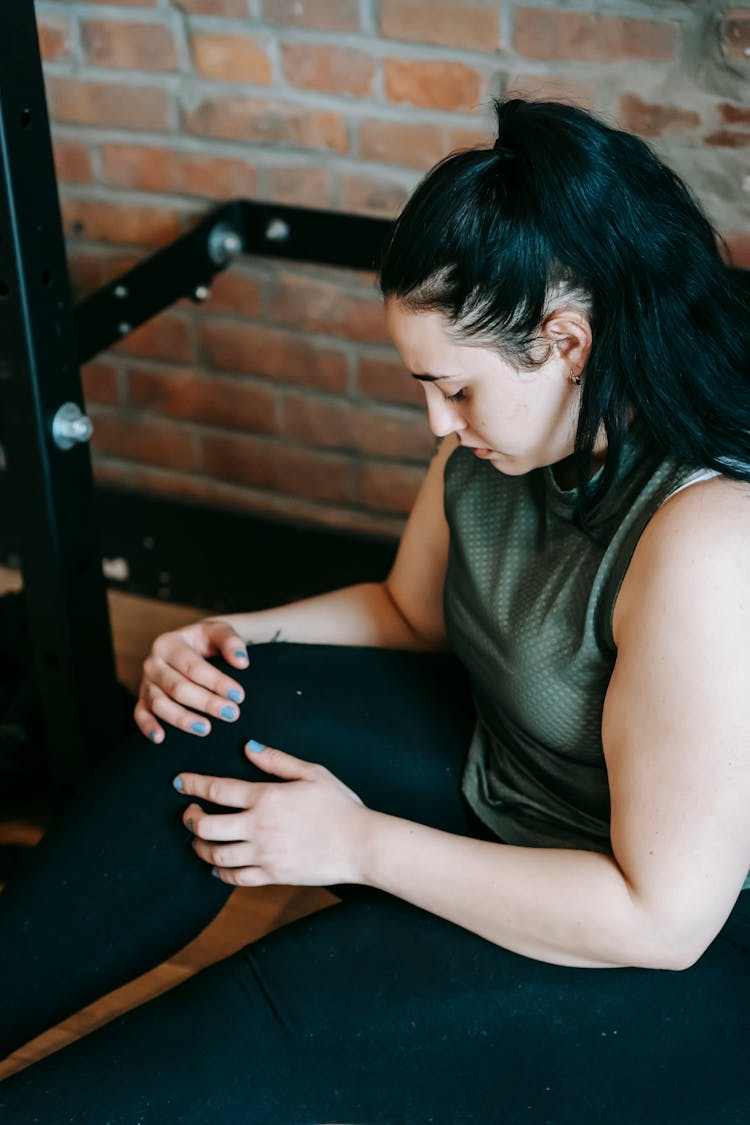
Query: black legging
{"type": "Point", "coordinates": [372, 1011]}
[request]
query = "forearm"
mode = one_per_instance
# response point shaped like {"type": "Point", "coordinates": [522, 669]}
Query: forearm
{"type": "Point", "coordinates": [566, 907]}
{"type": "Point", "coordinates": [360, 615]}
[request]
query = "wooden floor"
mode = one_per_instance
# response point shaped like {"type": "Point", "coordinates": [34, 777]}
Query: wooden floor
{"type": "Point", "coordinates": [248, 915]}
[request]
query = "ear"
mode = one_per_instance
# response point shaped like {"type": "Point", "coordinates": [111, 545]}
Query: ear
{"type": "Point", "coordinates": [569, 333]}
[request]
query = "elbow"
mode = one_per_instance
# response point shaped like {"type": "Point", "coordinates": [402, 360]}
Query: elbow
{"type": "Point", "coordinates": [674, 948]}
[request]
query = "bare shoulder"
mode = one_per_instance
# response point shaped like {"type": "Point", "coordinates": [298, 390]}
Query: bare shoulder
{"type": "Point", "coordinates": [696, 546]}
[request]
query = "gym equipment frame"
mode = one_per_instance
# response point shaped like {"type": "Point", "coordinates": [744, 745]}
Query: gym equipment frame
{"type": "Point", "coordinates": [43, 424]}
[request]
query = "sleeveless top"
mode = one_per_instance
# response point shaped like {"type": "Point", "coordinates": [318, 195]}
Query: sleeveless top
{"type": "Point", "coordinates": [528, 604]}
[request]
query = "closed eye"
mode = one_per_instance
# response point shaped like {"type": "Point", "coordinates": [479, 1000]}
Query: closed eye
{"type": "Point", "coordinates": [455, 397]}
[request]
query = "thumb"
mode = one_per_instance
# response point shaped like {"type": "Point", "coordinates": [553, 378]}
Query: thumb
{"type": "Point", "coordinates": [278, 762]}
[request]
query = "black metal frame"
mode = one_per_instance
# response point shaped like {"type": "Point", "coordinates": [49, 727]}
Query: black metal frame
{"type": "Point", "coordinates": [43, 339]}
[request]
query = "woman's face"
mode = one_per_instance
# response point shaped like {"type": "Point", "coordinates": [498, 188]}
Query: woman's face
{"type": "Point", "coordinates": [517, 420]}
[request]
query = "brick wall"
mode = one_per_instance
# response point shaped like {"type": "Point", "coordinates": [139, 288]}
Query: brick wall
{"type": "Point", "coordinates": [282, 393]}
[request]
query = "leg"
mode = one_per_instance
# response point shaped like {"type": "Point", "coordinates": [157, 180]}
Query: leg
{"type": "Point", "coordinates": [376, 1012]}
{"type": "Point", "coordinates": [115, 888]}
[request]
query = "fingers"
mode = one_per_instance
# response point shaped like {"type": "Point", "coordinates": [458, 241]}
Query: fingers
{"type": "Point", "coordinates": [178, 680]}
{"type": "Point", "coordinates": [227, 791]}
{"type": "Point", "coordinates": [228, 642]}
{"type": "Point", "coordinates": [281, 764]}
{"type": "Point", "coordinates": [216, 827]}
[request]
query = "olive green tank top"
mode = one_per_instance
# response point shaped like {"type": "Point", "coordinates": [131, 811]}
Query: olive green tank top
{"type": "Point", "coordinates": [528, 609]}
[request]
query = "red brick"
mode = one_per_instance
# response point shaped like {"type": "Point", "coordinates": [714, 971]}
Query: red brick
{"type": "Point", "coordinates": [388, 380]}
{"type": "Point", "coordinates": [464, 137]}
{"type": "Point", "coordinates": [391, 487]}
{"type": "Point", "coordinates": [300, 186]}
{"type": "Point", "coordinates": [365, 195]}
{"type": "Point", "coordinates": [265, 464]}
{"type": "Point", "coordinates": [239, 498]}
{"type": "Point", "coordinates": [120, 3]}
{"type": "Point", "coordinates": [739, 248]}
{"type": "Point", "coordinates": [126, 435]}
{"type": "Point", "coordinates": [434, 85]}
{"type": "Point", "coordinates": [73, 162]}
{"type": "Point", "coordinates": [735, 34]}
{"type": "Point", "coordinates": [128, 46]}
{"type": "Point", "coordinates": [269, 122]}
{"type": "Point", "coordinates": [324, 15]}
{"type": "Point", "coordinates": [231, 58]}
{"type": "Point", "coordinates": [546, 33]}
{"type": "Point", "coordinates": [213, 7]}
{"type": "Point", "coordinates": [545, 88]}
{"type": "Point", "coordinates": [232, 290]}
{"type": "Point", "coordinates": [656, 120]}
{"type": "Point", "coordinates": [166, 336]}
{"type": "Point", "coordinates": [398, 142]}
{"type": "Point", "coordinates": [91, 270]}
{"type": "Point", "coordinates": [727, 138]}
{"type": "Point", "coordinates": [734, 114]}
{"type": "Point", "coordinates": [337, 424]}
{"type": "Point", "coordinates": [115, 222]}
{"type": "Point", "coordinates": [148, 168]}
{"type": "Point", "coordinates": [54, 39]}
{"type": "Point", "coordinates": [100, 382]}
{"type": "Point", "coordinates": [476, 26]}
{"type": "Point", "coordinates": [107, 103]}
{"type": "Point", "coordinates": [260, 350]}
{"type": "Point", "coordinates": [209, 399]}
{"type": "Point", "coordinates": [334, 70]}
{"type": "Point", "coordinates": [323, 306]}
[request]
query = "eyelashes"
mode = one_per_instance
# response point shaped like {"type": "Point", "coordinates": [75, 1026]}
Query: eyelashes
{"type": "Point", "coordinates": [456, 397]}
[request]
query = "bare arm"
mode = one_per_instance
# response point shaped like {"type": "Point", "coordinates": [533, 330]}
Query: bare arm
{"type": "Point", "coordinates": [403, 612]}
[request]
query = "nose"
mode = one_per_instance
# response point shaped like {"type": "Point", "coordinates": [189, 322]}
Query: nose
{"type": "Point", "coordinates": [444, 417]}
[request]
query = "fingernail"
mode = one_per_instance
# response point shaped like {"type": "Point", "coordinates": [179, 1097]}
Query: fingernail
{"type": "Point", "coordinates": [189, 824]}
{"type": "Point", "coordinates": [214, 873]}
{"type": "Point", "coordinates": [228, 713]}
{"type": "Point", "coordinates": [153, 735]}
{"type": "Point", "coordinates": [199, 728]}
{"type": "Point", "coordinates": [178, 784]}
{"type": "Point", "coordinates": [240, 654]}
{"type": "Point", "coordinates": [234, 695]}
{"type": "Point", "coordinates": [255, 747]}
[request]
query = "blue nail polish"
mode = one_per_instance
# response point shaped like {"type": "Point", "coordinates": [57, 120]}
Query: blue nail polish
{"type": "Point", "coordinates": [234, 695]}
{"type": "Point", "coordinates": [178, 784]}
{"type": "Point", "coordinates": [255, 747]}
{"type": "Point", "coordinates": [228, 713]}
{"type": "Point", "coordinates": [199, 728]}
{"type": "Point", "coordinates": [240, 653]}
{"type": "Point", "coordinates": [215, 873]}
{"type": "Point", "coordinates": [153, 735]}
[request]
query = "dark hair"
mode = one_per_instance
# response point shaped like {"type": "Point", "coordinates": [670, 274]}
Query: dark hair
{"type": "Point", "coordinates": [565, 210]}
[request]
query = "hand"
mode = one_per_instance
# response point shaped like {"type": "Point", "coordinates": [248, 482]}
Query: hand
{"type": "Point", "coordinates": [308, 830]}
{"type": "Point", "coordinates": [177, 677]}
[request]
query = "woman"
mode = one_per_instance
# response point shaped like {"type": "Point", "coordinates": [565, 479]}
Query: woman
{"type": "Point", "coordinates": [582, 544]}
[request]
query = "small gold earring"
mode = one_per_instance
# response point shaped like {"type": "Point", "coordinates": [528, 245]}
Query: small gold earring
{"type": "Point", "coordinates": [575, 378]}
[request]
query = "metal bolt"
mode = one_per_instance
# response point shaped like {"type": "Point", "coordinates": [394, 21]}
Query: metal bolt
{"type": "Point", "coordinates": [121, 291]}
{"type": "Point", "coordinates": [70, 426]}
{"type": "Point", "coordinates": [223, 243]}
{"type": "Point", "coordinates": [123, 328]}
{"type": "Point", "coordinates": [278, 231]}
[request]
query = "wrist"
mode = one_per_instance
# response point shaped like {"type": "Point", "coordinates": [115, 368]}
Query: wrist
{"type": "Point", "coordinates": [371, 830]}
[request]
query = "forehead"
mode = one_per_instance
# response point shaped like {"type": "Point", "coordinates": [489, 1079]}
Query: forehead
{"type": "Point", "coordinates": [422, 339]}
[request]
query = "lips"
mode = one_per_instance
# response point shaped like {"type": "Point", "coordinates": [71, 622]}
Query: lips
{"type": "Point", "coordinates": [480, 452]}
